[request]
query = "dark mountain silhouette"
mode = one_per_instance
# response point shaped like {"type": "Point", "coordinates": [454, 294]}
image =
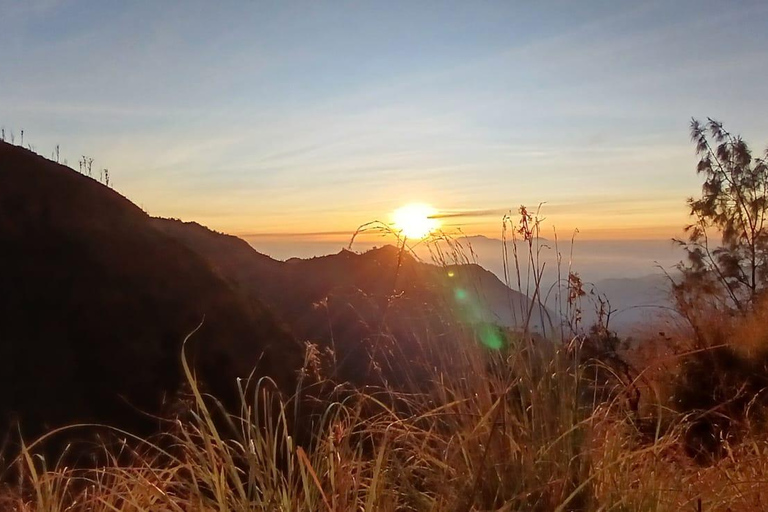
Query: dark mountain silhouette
{"type": "Point", "coordinates": [381, 298]}
{"type": "Point", "coordinates": [95, 303]}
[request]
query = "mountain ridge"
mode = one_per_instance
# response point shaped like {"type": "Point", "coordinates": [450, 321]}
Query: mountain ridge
{"type": "Point", "coordinates": [386, 258]}
{"type": "Point", "coordinates": [100, 302]}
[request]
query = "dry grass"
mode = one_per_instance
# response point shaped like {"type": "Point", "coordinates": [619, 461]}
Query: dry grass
{"type": "Point", "coordinates": [484, 439]}
{"type": "Point", "coordinates": [524, 428]}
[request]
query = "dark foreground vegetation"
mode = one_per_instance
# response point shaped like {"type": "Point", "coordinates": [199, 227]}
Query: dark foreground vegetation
{"type": "Point", "coordinates": [380, 383]}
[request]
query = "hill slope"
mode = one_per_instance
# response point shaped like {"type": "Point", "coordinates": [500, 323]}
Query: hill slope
{"type": "Point", "coordinates": [353, 301]}
{"type": "Point", "coordinates": [95, 304]}
{"type": "Point", "coordinates": [291, 286]}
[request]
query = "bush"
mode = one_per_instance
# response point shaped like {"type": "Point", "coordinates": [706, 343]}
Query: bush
{"type": "Point", "coordinates": [722, 390]}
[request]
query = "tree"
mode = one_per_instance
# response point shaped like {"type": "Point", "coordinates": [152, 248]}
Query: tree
{"type": "Point", "coordinates": [733, 205]}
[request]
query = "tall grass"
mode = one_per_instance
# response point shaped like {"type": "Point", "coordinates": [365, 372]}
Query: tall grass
{"type": "Point", "coordinates": [526, 427]}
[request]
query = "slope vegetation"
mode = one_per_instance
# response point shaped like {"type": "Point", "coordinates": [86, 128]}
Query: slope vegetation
{"type": "Point", "coordinates": [380, 308]}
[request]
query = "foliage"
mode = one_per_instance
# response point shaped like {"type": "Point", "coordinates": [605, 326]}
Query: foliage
{"type": "Point", "coordinates": [733, 206]}
{"type": "Point", "coordinates": [499, 432]}
{"type": "Point", "coordinates": [721, 380]}
{"type": "Point", "coordinates": [85, 163]}
{"type": "Point", "coordinates": [723, 392]}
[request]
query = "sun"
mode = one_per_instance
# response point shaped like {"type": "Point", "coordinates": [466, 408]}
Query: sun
{"type": "Point", "coordinates": [415, 220]}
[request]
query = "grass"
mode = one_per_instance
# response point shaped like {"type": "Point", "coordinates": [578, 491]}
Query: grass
{"type": "Point", "coordinates": [540, 425]}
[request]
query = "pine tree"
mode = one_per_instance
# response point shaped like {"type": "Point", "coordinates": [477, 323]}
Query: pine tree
{"type": "Point", "coordinates": [732, 273]}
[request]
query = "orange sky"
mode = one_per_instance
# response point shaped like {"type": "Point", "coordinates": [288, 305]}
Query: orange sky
{"type": "Point", "coordinates": [634, 220]}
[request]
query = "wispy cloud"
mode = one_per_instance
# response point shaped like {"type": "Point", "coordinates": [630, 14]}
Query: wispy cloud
{"type": "Point", "coordinates": [494, 212]}
{"type": "Point", "coordinates": [296, 234]}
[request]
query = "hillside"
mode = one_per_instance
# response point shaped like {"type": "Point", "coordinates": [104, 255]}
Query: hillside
{"type": "Point", "coordinates": [347, 299]}
{"type": "Point", "coordinates": [95, 304]}
{"type": "Point", "coordinates": [293, 285]}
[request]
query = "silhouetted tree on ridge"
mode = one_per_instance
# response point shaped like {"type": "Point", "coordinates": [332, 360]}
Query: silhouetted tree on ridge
{"type": "Point", "coordinates": [733, 274]}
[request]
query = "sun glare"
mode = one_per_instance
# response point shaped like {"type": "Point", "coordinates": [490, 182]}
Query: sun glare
{"type": "Point", "coordinates": [415, 220]}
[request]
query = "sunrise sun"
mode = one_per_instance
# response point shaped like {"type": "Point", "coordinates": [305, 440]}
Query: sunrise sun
{"type": "Point", "coordinates": [415, 220]}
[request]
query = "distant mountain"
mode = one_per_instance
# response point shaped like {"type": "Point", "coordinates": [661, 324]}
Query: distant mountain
{"type": "Point", "coordinates": [625, 271]}
{"type": "Point", "coordinates": [96, 301]}
{"type": "Point", "coordinates": [346, 299]}
{"type": "Point", "coordinates": [593, 260]}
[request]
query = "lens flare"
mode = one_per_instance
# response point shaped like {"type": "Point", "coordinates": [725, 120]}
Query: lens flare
{"type": "Point", "coordinates": [415, 220]}
{"type": "Point", "coordinates": [491, 337]}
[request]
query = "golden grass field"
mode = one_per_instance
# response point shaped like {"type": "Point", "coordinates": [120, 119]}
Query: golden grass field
{"type": "Point", "coordinates": [543, 424]}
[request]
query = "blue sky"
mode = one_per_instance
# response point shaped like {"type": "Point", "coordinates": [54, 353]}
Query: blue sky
{"type": "Point", "coordinates": [256, 117]}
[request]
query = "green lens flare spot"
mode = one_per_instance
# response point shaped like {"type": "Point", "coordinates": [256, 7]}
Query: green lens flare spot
{"type": "Point", "coordinates": [460, 294]}
{"type": "Point", "coordinates": [490, 337]}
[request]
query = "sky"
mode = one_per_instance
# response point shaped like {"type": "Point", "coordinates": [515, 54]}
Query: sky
{"type": "Point", "coordinates": [303, 120]}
